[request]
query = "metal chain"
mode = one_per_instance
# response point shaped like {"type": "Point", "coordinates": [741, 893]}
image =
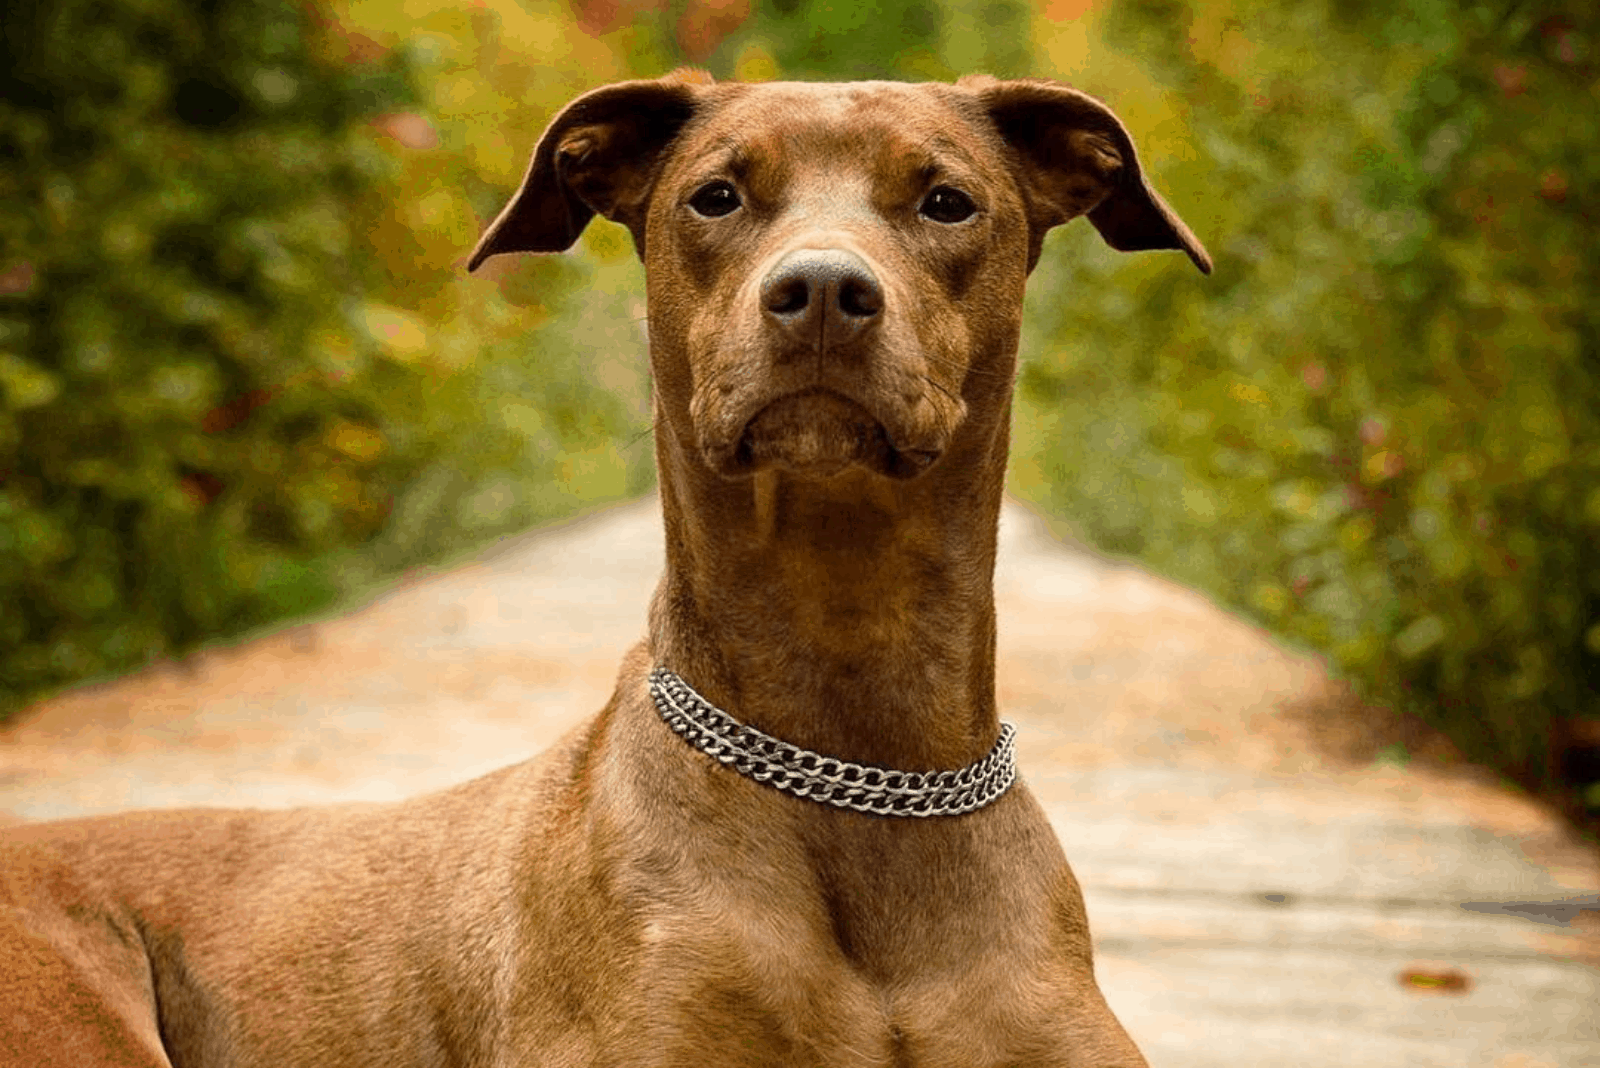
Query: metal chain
{"type": "Point", "coordinates": [776, 763]}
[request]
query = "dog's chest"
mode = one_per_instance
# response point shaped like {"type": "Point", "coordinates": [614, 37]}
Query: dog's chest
{"type": "Point", "coordinates": [765, 933]}
{"type": "Point", "coordinates": [767, 981]}
{"type": "Point", "coordinates": [842, 1021]}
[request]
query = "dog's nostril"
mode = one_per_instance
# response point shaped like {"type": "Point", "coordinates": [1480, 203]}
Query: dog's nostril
{"type": "Point", "coordinates": [789, 296]}
{"type": "Point", "coordinates": [859, 298]}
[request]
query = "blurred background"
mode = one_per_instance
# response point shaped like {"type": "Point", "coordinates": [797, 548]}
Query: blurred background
{"type": "Point", "coordinates": [244, 378]}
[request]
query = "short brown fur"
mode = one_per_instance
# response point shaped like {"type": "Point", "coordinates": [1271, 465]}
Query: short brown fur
{"type": "Point", "coordinates": [831, 477]}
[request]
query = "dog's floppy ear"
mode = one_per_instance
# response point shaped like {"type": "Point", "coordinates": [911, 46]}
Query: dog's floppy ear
{"type": "Point", "coordinates": [601, 154]}
{"type": "Point", "coordinates": [1075, 158]}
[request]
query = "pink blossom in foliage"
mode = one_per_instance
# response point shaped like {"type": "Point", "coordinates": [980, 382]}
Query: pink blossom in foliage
{"type": "Point", "coordinates": [1511, 78]}
{"type": "Point", "coordinates": [409, 128]}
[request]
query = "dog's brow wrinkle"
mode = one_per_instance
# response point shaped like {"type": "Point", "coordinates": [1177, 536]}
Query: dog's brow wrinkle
{"type": "Point", "coordinates": [943, 151]}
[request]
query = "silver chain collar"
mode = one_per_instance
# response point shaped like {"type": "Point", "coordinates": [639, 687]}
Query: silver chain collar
{"type": "Point", "coordinates": [776, 763]}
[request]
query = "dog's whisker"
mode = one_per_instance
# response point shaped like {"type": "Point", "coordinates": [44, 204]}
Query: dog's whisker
{"type": "Point", "coordinates": [967, 371]}
{"type": "Point", "coordinates": [936, 384]}
{"type": "Point", "coordinates": [647, 432]}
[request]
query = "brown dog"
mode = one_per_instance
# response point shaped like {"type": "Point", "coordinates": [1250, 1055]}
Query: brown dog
{"type": "Point", "coordinates": [835, 287]}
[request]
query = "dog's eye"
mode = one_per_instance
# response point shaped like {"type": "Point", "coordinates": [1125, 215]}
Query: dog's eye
{"type": "Point", "coordinates": [948, 205]}
{"type": "Point", "coordinates": [715, 199]}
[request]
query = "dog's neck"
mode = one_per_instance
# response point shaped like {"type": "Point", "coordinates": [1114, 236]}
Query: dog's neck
{"type": "Point", "coordinates": [852, 615]}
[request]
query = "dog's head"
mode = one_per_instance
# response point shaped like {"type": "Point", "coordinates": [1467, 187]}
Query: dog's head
{"type": "Point", "coordinates": [835, 271]}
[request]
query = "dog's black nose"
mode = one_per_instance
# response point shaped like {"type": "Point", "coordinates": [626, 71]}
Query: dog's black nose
{"type": "Point", "coordinates": [822, 297]}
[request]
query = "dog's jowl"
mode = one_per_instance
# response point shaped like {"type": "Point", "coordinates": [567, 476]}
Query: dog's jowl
{"type": "Point", "coordinates": [796, 835]}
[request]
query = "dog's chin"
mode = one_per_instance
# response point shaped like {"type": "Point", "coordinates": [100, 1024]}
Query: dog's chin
{"type": "Point", "coordinates": [817, 434]}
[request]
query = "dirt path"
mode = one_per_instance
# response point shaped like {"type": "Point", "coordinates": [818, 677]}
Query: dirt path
{"type": "Point", "coordinates": [1260, 888]}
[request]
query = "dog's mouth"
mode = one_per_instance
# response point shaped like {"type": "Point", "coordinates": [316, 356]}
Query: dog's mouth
{"type": "Point", "coordinates": [817, 433]}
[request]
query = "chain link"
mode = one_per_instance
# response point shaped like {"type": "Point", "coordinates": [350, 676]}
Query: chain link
{"type": "Point", "coordinates": [776, 763]}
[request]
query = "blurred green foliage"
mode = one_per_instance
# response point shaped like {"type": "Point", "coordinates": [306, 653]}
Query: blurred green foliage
{"type": "Point", "coordinates": [1376, 428]}
{"type": "Point", "coordinates": [240, 370]}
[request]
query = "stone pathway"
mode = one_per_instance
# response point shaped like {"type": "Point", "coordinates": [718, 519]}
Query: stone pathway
{"type": "Point", "coordinates": [1262, 891]}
